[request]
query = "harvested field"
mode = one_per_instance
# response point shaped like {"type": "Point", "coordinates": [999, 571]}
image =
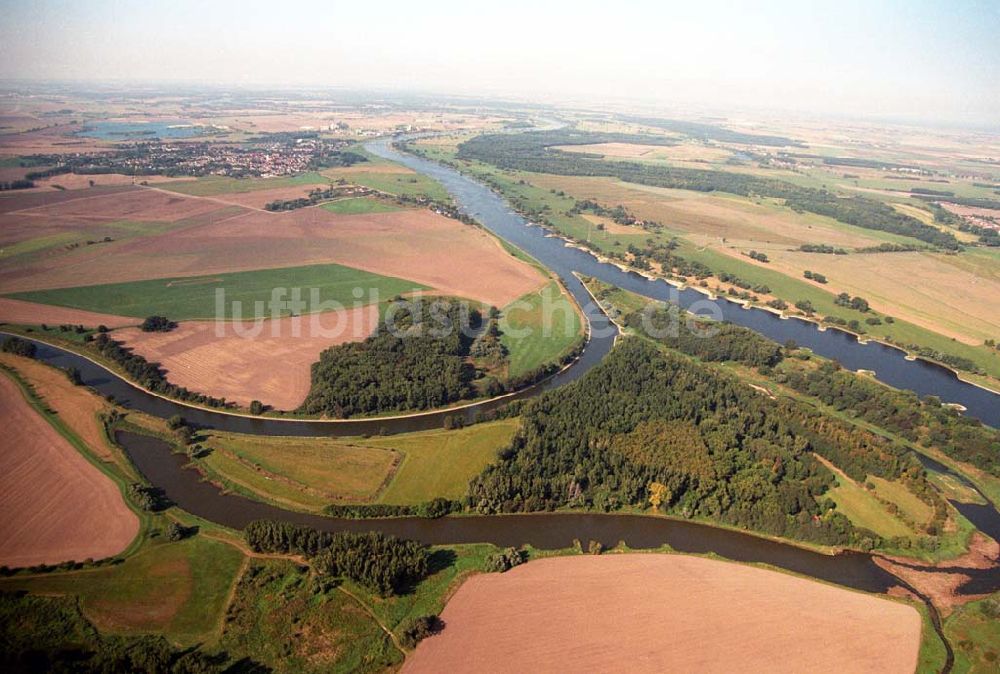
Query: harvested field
{"type": "Point", "coordinates": [128, 204]}
{"type": "Point", "coordinates": [438, 252]}
{"type": "Point", "coordinates": [273, 367]}
{"type": "Point", "coordinates": [18, 200]}
{"type": "Point", "coordinates": [655, 613]}
{"type": "Point", "coordinates": [260, 198]}
{"type": "Point", "coordinates": [77, 406]}
{"type": "Point", "coordinates": [707, 216]}
{"type": "Point", "coordinates": [56, 505]}
{"type": "Point", "coordinates": [73, 181]}
{"type": "Point", "coordinates": [30, 313]}
{"type": "Point", "coordinates": [928, 289]}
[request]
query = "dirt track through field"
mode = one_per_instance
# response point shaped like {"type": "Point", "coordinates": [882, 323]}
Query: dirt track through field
{"type": "Point", "coordinates": [55, 505]}
{"type": "Point", "coordinates": [665, 613]}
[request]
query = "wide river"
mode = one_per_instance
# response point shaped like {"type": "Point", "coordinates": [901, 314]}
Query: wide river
{"type": "Point", "coordinates": [889, 364]}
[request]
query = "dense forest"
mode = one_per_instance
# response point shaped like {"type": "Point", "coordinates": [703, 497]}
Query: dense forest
{"type": "Point", "coordinates": [924, 421]}
{"type": "Point", "coordinates": [712, 132]}
{"type": "Point", "coordinates": [384, 564]}
{"type": "Point", "coordinates": [708, 340]}
{"type": "Point", "coordinates": [531, 151]}
{"type": "Point", "coordinates": [416, 359]}
{"type": "Point", "coordinates": [647, 422]}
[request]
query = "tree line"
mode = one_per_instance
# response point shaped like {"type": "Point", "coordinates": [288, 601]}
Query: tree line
{"type": "Point", "coordinates": [530, 151]}
{"type": "Point", "coordinates": [384, 564]}
{"type": "Point", "coordinates": [924, 421]}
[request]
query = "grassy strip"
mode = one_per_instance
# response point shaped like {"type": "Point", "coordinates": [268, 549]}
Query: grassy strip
{"type": "Point", "coordinates": [359, 206]}
{"type": "Point", "coordinates": [190, 298]}
{"type": "Point", "coordinates": [209, 186]}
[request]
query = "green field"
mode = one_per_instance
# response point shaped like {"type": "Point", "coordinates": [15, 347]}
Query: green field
{"type": "Point", "coordinates": [179, 589]}
{"type": "Point", "coordinates": [441, 463]}
{"type": "Point", "coordinates": [280, 616]}
{"type": "Point", "coordinates": [305, 473]}
{"type": "Point", "coordinates": [310, 473]}
{"type": "Point", "coordinates": [974, 632]}
{"type": "Point", "coordinates": [403, 184]}
{"type": "Point", "coordinates": [539, 328]}
{"type": "Point", "coordinates": [214, 185]}
{"type": "Point", "coordinates": [359, 206]}
{"type": "Point", "coordinates": [431, 594]}
{"type": "Point", "coordinates": [862, 508]}
{"type": "Point", "coordinates": [907, 502]}
{"type": "Point", "coordinates": [189, 298]}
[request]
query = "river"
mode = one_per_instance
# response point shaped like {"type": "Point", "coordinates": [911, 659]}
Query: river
{"type": "Point", "coordinates": [889, 364]}
{"type": "Point", "coordinates": [184, 485]}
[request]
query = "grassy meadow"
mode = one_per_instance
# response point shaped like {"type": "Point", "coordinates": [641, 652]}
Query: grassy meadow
{"type": "Point", "coordinates": [549, 323]}
{"type": "Point", "coordinates": [210, 186]}
{"type": "Point", "coordinates": [310, 473]}
{"type": "Point", "coordinates": [359, 206]}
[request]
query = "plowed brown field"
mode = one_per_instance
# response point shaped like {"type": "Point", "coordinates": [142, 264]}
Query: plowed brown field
{"type": "Point", "coordinates": [56, 505]}
{"type": "Point", "coordinates": [272, 367]}
{"type": "Point", "coordinates": [444, 254]}
{"type": "Point", "coordinates": [665, 613]}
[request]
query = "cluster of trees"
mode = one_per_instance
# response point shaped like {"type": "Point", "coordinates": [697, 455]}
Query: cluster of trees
{"type": "Point", "coordinates": [531, 152]}
{"type": "Point", "coordinates": [418, 629]}
{"type": "Point", "coordinates": [856, 303]}
{"type": "Point", "coordinates": [703, 131]}
{"type": "Point", "coordinates": [735, 280]}
{"type": "Point", "coordinates": [151, 499]}
{"type": "Point", "coordinates": [487, 347]}
{"type": "Point", "coordinates": [503, 560]}
{"type": "Point", "coordinates": [720, 449]}
{"type": "Point", "coordinates": [314, 197]}
{"type": "Point", "coordinates": [336, 159]}
{"type": "Point", "coordinates": [618, 214]}
{"type": "Point", "coordinates": [814, 276]}
{"type": "Point", "coordinates": [384, 564]}
{"type": "Point", "coordinates": [19, 347]}
{"type": "Point", "coordinates": [924, 421]}
{"type": "Point", "coordinates": [822, 248]}
{"type": "Point", "coordinates": [149, 375]}
{"type": "Point", "coordinates": [988, 236]}
{"type": "Point", "coordinates": [20, 184]}
{"type": "Point", "coordinates": [888, 247]}
{"type": "Point", "coordinates": [709, 341]}
{"type": "Point", "coordinates": [756, 255]}
{"type": "Point", "coordinates": [157, 324]}
{"type": "Point", "coordinates": [438, 507]}
{"type": "Point", "coordinates": [664, 255]}
{"type": "Point", "coordinates": [419, 361]}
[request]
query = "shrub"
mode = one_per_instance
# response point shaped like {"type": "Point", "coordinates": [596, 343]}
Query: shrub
{"type": "Point", "coordinates": [157, 324]}
{"type": "Point", "coordinates": [19, 347]}
{"type": "Point", "coordinates": [504, 560]}
{"type": "Point", "coordinates": [417, 629]}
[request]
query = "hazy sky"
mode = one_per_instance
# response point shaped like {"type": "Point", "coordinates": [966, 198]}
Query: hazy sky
{"type": "Point", "coordinates": [915, 58]}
